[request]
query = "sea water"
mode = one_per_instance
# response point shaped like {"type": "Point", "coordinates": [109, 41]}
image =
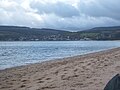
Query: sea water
{"type": "Point", "coordinates": [26, 52]}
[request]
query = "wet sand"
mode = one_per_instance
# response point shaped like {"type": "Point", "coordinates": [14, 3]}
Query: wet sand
{"type": "Point", "coordinates": [84, 72]}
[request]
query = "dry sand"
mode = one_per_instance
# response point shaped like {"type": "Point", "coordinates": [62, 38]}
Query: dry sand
{"type": "Point", "coordinates": [84, 72]}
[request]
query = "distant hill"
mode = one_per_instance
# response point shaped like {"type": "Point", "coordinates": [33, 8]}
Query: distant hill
{"type": "Point", "coordinates": [102, 33]}
{"type": "Point", "coordinates": [105, 28]}
{"type": "Point", "coordinates": [16, 33]}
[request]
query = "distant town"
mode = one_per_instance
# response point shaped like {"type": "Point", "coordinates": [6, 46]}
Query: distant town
{"type": "Point", "coordinates": [16, 33]}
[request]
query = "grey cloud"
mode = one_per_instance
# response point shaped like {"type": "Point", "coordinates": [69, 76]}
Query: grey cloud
{"type": "Point", "coordinates": [60, 9]}
{"type": "Point", "coordinates": [78, 23]}
{"type": "Point", "coordinates": [60, 15]}
{"type": "Point", "coordinates": [99, 8]}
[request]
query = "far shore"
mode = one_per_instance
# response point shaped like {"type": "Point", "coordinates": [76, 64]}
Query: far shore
{"type": "Point", "coordinates": [83, 72]}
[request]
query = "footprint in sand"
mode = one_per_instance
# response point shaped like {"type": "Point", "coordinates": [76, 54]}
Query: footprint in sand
{"type": "Point", "coordinates": [40, 82]}
{"type": "Point", "coordinates": [117, 68]}
{"type": "Point", "coordinates": [22, 86]}
{"type": "Point", "coordinates": [48, 78]}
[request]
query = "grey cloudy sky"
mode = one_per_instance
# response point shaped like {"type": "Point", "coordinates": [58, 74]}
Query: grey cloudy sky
{"type": "Point", "coordinates": [60, 14]}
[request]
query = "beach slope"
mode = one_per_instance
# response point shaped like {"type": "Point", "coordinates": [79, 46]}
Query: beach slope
{"type": "Point", "coordinates": [84, 72]}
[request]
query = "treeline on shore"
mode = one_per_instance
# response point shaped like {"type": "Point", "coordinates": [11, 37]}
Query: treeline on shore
{"type": "Point", "coordinates": [16, 33]}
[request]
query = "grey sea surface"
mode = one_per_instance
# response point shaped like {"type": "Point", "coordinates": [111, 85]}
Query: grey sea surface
{"type": "Point", "coordinates": [26, 52]}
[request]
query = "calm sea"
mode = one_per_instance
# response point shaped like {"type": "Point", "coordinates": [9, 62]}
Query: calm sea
{"type": "Point", "coordinates": [21, 53]}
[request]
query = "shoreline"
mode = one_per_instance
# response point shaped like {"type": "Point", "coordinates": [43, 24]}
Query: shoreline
{"type": "Point", "coordinates": [57, 59]}
{"type": "Point", "coordinates": [90, 71]}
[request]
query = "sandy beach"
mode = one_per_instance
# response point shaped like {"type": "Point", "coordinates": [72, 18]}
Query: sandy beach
{"type": "Point", "coordinates": [84, 72]}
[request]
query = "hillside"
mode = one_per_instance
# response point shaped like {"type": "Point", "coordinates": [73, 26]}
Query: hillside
{"type": "Point", "coordinates": [16, 33]}
{"type": "Point", "coordinates": [102, 33]}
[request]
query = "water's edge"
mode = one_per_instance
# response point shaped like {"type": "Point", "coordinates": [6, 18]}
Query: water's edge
{"type": "Point", "coordinates": [62, 59]}
{"type": "Point", "coordinates": [14, 54]}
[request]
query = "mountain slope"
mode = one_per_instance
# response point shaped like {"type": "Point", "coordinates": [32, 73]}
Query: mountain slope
{"type": "Point", "coordinates": [102, 33]}
{"type": "Point", "coordinates": [16, 33]}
